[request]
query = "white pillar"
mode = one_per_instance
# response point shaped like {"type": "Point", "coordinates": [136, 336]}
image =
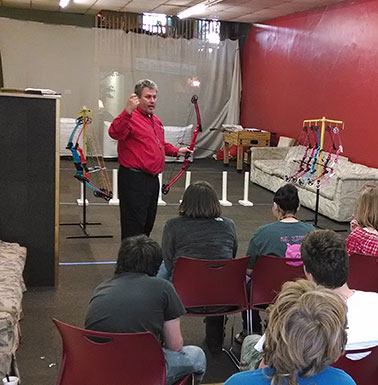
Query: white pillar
{"type": "Point", "coordinates": [81, 199]}
{"type": "Point", "coordinates": [224, 201]}
{"type": "Point", "coordinates": [115, 201]}
{"type": "Point", "coordinates": [160, 199]}
{"type": "Point", "coordinates": [188, 175]}
{"type": "Point", "coordinates": [245, 201]}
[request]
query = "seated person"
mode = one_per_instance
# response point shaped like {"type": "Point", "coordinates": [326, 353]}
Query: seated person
{"type": "Point", "coordinates": [134, 300]}
{"type": "Point", "coordinates": [281, 238]}
{"type": "Point", "coordinates": [364, 236]}
{"type": "Point", "coordinates": [306, 333]}
{"type": "Point", "coordinates": [326, 262]}
{"type": "Point", "coordinates": [199, 232]}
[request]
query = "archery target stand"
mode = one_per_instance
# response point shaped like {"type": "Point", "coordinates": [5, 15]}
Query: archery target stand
{"type": "Point", "coordinates": [83, 225]}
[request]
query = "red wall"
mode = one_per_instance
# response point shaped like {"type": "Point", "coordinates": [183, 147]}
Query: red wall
{"type": "Point", "coordinates": [313, 64]}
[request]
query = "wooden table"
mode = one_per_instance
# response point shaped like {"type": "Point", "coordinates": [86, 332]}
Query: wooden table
{"type": "Point", "coordinates": [243, 139]}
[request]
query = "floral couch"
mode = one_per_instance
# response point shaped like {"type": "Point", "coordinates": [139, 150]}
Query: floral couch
{"type": "Point", "coordinates": [12, 262]}
{"type": "Point", "coordinates": [338, 196]}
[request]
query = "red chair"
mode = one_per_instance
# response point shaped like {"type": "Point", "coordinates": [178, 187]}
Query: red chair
{"type": "Point", "coordinates": [212, 288]}
{"type": "Point", "coordinates": [98, 358]}
{"type": "Point", "coordinates": [205, 284]}
{"type": "Point", "coordinates": [363, 272]}
{"type": "Point", "coordinates": [363, 371]}
{"type": "Point", "coordinates": [268, 275]}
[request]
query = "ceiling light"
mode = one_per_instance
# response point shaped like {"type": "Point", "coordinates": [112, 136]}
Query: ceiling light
{"type": "Point", "coordinates": [63, 3]}
{"type": "Point", "coordinates": [197, 9]}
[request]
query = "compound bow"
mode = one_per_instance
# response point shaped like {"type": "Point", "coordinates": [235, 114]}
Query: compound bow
{"type": "Point", "coordinates": [83, 171]}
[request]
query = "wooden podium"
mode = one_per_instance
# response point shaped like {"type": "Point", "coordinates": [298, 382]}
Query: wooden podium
{"type": "Point", "coordinates": [243, 139]}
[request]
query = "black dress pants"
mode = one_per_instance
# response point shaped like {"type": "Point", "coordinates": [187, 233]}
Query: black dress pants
{"type": "Point", "coordinates": [138, 196]}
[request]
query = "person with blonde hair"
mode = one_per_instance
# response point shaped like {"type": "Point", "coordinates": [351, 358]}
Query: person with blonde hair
{"type": "Point", "coordinates": [364, 236]}
{"type": "Point", "coordinates": [306, 333]}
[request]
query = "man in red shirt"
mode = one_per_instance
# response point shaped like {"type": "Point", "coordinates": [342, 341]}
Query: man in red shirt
{"type": "Point", "coordinates": [141, 154]}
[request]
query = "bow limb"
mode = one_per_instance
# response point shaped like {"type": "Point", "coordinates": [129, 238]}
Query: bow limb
{"type": "Point", "coordinates": [166, 187]}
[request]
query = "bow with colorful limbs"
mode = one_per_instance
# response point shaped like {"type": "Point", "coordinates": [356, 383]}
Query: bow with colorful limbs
{"type": "Point", "coordinates": [313, 168]}
{"type": "Point", "coordinates": [166, 187]}
{"type": "Point", "coordinates": [84, 172]}
{"type": "Point", "coordinates": [329, 165]}
{"type": "Point", "coordinates": [305, 162]}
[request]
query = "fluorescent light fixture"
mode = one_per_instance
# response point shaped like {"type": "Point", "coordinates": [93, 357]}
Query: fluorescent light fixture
{"type": "Point", "coordinates": [63, 3]}
{"type": "Point", "coordinates": [197, 9]}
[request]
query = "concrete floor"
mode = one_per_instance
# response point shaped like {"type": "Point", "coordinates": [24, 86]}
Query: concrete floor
{"type": "Point", "coordinates": [39, 354]}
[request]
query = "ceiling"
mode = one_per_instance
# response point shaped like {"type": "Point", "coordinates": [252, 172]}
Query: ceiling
{"type": "Point", "coordinates": [246, 11]}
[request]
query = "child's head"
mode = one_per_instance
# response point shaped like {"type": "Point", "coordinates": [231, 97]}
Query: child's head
{"type": "Point", "coordinates": [367, 208]}
{"type": "Point", "coordinates": [306, 331]}
{"type": "Point", "coordinates": [286, 200]}
{"type": "Point", "coordinates": [200, 201]}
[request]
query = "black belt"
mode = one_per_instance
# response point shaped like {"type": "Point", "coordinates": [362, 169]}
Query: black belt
{"type": "Point", "coordinates": [141, 171]}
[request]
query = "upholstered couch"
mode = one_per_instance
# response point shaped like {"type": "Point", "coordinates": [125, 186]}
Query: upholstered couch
{"type": "Point", "coordinates": [12, 262]}
{"type": "Point", "coordinates": [270, 166]}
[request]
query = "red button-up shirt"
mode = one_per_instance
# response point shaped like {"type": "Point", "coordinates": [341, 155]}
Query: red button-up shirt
{"type": "Point", "coordinates": [141, 142]}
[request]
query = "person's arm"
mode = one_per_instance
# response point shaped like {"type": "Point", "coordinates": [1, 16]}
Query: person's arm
{"type": "Point", "coordinates": [120, 127]}
{"type": "Point", "coordinates": [352, 244]}
{"type": "Point", "coordinates": [171, 150]}
{"type": "Point", "coordinates": [252, 253]}
{"type": "Point", "coordinates": [172, 335]}
{"type": "Point", "coordinates": [168, 249]}
{"type": "Point", "coordinates": [235, 246]}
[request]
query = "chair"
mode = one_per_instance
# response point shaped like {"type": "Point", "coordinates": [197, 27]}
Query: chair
{"type": "Point", "coordinates": [268, 275]}
{"type": "Point", "coordinates": [363, 272]}
{"type": "Point", "coordinates": [212, 288]}
{"type": "Point", "coordinates": [98, 358]}
{"type": "Point", "coordinates": [363, 371]}
{"type": "Point", "coordinates": [219, 282]}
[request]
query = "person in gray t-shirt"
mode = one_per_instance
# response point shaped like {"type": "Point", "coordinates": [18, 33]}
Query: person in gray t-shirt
{"type": "Point", "coordinates": [134, 300]}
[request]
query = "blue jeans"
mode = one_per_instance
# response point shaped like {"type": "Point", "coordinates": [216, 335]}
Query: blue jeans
{"type": "Point", "coordinates": [191, 359]}
{"type": "Point", "coordinates": [163, 272]}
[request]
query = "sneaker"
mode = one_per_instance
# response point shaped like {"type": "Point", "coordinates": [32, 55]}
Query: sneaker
{"type": "Point", "coordinates": [239, 338]}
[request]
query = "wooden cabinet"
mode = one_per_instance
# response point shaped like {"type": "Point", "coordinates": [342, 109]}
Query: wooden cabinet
{"type": "Point", "coordinates": [29, 179]}
{"type": "Point", "coordinates": [243, 139]}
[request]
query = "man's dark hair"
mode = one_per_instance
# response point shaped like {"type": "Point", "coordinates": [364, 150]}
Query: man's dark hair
{"type": "Point", "coordinates": [324, 256]}
{"type": "Point", "coordinates": [139, 254]}
{"type": "Point", "coordinates": [200, 201]}
{"type": "Point", "coordinates": [287, 198]}
{"type": "Point", "coordinates": [143, 84]}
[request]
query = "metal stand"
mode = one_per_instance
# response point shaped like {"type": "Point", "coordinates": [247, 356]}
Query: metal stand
{"type": "Point", "coordinates": [317, 214]}
{"type": "Point", "coordinates": [83, 225]}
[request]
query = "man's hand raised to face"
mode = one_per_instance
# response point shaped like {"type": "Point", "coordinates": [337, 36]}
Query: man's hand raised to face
{"type": "Point", "coordinates": [132, 103]}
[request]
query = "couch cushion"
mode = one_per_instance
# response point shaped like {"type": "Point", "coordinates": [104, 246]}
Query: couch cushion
{"type": "Point", "coordinates": [269, 166]}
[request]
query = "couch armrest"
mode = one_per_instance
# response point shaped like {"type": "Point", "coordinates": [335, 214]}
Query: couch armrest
{"type": "Point", "coordinates": [355, 171]}
{"type": "Point", "coordinates": [266, 153]}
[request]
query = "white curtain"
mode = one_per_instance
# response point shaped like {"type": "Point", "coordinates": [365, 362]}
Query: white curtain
{"type": "Point", "coordinates": [88, 65]}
